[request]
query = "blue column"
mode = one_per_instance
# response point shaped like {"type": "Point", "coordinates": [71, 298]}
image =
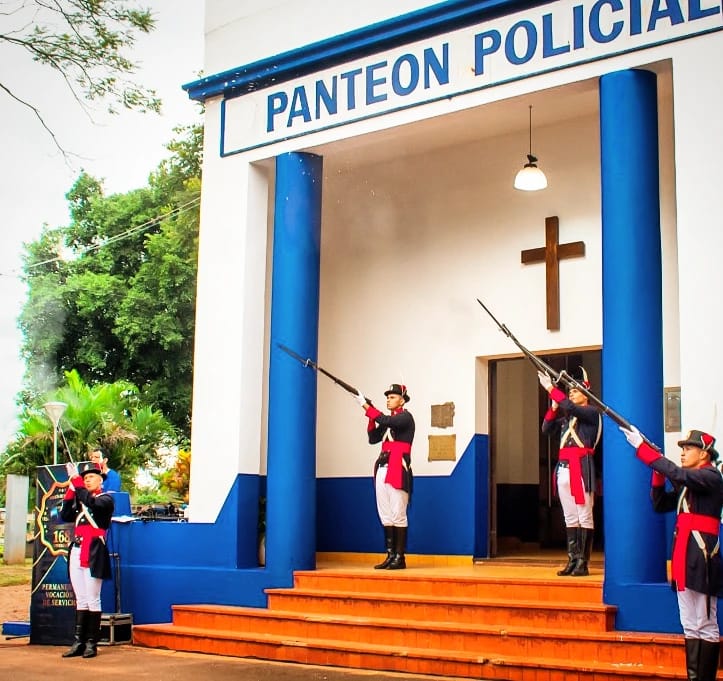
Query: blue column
{"type": "Point", "coordinates": [632, 355]}
{"type": "Point", "coordinates": [291, 453]}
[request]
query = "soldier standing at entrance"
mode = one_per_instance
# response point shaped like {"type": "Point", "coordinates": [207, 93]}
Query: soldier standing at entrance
{"type": "Point", "coordinates": [580, 428]}
{"type": "Point", "coordinates": [697, 497]}
{"type": "Point", "coordinates": [392, 470]}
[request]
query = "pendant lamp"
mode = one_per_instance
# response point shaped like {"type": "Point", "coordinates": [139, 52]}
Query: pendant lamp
{"type": "Point", "coordinates": [530, 178]}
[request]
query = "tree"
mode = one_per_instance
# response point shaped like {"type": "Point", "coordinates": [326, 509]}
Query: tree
{"type": "Point", "coordinates": [176, 481]}
{"type": "Point", "coordinates": [111, 415]}
{"type": "Point", "coordinates": [85, 42]}
{"type": "Point", "coordinates": [121, 304]}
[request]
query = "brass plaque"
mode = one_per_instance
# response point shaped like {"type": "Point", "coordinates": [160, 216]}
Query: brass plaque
{"type": "Point", "coordinates": [443, 415]}
{"type": "Point", "coordinates": [442, 448]}
{"type": "Point", "coordinates": [672, 410]}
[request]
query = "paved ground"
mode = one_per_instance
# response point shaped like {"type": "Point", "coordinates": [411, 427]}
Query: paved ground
{"type": "Point", "coordinates": [20, 661]}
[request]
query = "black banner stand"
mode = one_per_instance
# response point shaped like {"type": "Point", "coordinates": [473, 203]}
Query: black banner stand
{"type": "Point", "coordinates": [52, 601]}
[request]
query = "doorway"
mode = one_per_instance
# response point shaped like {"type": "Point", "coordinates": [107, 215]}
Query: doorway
{"type": "Point", "coordinates": [526, 517]}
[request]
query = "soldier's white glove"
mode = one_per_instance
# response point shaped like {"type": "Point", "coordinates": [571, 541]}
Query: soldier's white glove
{"type": "Point", "coordinates": [360, 399]}
{"type": "Point", "coordinates": [633, 436]}
{"type": "Point", "coordinates": [71, 469]}
{"type": "Point", "coordinates": [545, 380]}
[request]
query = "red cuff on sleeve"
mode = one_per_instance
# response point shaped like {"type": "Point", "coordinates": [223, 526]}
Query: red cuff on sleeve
{"type": "Point", "coordinates": [658, 479]}
{"type": "Point", "coordinates": [557, 395]}
{"type": "Point", "coordinates": [550, 415]}
{"type": "Point", "coordinates": [373, 413]}
{"type": "Point", "coordinates": [647, 454]}
{"type": "Point", "coordinates": [69, 494]}
{"type": "Point", "coordinates": [77, 481]}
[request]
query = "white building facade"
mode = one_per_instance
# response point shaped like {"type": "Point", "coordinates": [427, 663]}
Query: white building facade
{"type": "Point", "coordinates": [358, 200]}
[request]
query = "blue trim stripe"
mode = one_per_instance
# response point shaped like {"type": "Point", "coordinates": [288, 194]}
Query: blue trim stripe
{"type": "Point", "coordinates": [384, 35]}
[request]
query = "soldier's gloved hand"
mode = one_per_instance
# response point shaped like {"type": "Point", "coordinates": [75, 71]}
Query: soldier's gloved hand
{"type": "Point", "coordinates": [360, 399]}
{"type": "Point", "coordinates": [545, 380]}
{"type": "Point", "coordinates": [633, 436]}
{"type": "Point", "coordinates": [71, 469]}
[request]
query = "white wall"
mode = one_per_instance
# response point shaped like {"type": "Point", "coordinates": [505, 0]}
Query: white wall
{"type": "Point", "coordinates": [408, 246]}
{"type": "Point", "coordinates": [698, 150]}
{"type": "Point", "coordinates": [229, 380]}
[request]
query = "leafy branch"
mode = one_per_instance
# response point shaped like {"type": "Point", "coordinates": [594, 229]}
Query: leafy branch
{"type": "Point", "coordinates": [85, 42]}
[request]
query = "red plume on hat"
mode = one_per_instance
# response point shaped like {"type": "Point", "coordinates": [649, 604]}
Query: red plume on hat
{"type": "Point", "coordinates": [398, 389]}
{"type": "Point", "coordinates": [585, 379]}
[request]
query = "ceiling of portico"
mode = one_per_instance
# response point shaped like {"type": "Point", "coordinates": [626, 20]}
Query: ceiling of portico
{"type": "Point", "coordinates": [496, 119]}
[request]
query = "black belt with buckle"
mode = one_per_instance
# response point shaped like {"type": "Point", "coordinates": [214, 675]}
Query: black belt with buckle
{"type": "Point", "coordinates": [77, 541]}
{"type": "Point", "coordinates": [563, 464]}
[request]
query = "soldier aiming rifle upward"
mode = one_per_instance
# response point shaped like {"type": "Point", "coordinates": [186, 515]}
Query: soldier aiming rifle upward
{"type": "Point", "coordinates": [393, 467]}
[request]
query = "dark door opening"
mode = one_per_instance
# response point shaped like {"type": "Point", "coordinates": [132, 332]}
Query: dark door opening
{"type": "Point", "coordinates": [526, 515]}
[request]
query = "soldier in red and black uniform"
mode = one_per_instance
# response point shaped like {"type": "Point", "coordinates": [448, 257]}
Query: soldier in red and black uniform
{"type": "Point", "coordinates": [580, 427]}
{"type": "Point", "coordinates": [392, 470]}
{"type": "Point", "coordinates": [90, 509]}
{"type": "Point", "coordinates": [697, 496]}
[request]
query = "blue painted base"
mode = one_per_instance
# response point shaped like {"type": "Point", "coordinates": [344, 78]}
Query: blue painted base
{"type": "Point", "coordinates": [446, 513]}
{"type": "Point", "coordinates": [166, 563]}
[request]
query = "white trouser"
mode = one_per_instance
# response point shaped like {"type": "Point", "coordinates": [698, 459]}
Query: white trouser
{"type": "Point", "coordinates": [576, 515]}
{"type": "Point", "coordinates": [694, 618]}
{"type": "Point", "coordinates": [391, 502]}
{"type": "Point", "coordinates": [86, 587]}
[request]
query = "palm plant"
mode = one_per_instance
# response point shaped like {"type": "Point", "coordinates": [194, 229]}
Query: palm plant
{"type": "Point", "coordinates": [111, 415]}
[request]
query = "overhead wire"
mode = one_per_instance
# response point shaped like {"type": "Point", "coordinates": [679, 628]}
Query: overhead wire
{"type": "Point", "coordinates": [179, 210]}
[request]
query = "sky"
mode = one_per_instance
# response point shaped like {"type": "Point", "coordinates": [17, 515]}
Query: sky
{"type": "Point", "coordinates": [122, 150]}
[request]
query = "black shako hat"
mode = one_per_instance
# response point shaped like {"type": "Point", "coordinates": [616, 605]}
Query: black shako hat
{"type": "Point", "coordinates": [580, 375]}
{"type": "Point", "coordinates": [697, 438]}
{"type": "Point", "coordinates": [92, 468]}
{"type": "Point", "coordinates": [397, 389]}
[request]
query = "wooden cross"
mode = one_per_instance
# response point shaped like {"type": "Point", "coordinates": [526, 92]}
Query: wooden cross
{"type": "Point", "coordinates": [551, 255]}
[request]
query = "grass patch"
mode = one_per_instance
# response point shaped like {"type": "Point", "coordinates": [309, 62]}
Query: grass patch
{"type": "Point", "coordinates": [12, 575]}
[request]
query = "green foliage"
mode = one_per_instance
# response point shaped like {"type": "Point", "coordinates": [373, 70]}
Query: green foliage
{"type": "Point", "coordinates": [122, 306]}
{"type": "Point", "coordinates": [111, 415]}
{"type": "Point", "coordinates": [176, 481]}
{"type": "Point", "coordinates": [146, 496]}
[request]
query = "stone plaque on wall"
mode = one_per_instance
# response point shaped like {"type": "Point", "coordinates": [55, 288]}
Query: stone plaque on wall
{"type": "Point", "coordinates": [442, 448]}
{"type": "Point", "coordinates": [672, 410]}
{"type": "Point", "coordinates": [443, 415]}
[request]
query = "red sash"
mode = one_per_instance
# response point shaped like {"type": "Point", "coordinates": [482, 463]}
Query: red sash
{"type": "Point", "coordinates": [685, 523]}
{"type": "Point", "coordinates": [573, 455]}
{"type": "Point", "coordinates": [396, 450]}
{"type": "Point", "coordinates": [87, 533]}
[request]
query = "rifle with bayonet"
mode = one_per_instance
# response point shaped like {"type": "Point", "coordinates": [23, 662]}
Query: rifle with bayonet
{"type": "Point", "coordinates": [564, 379]}
{"type": "Point", "coordinates": [307, 362]}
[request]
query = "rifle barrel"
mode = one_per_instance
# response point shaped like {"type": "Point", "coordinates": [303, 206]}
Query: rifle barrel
{"type": "Point", "coordinates": [565, 379]}
{"type": "Point", "coordinates": [307, 362]}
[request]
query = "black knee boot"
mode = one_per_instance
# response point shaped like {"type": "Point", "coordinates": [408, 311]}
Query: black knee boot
{"type": "Point", "coordinates": [91, 643]}
{"type": "Point", "coordinates": [584, 552]}
{"type": "Point", "coordinates": [400, 543]}
{"type": "Point", "coordinates": [572, 551]}
{"type": "Point", "coordinates": [389, 543]}
{"type": "Point", "coordinates": [81, 619]}
{"type": "Point", "coordinates": [692, 655]}
{"type": "Point", "coordinates": [708, 661]}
